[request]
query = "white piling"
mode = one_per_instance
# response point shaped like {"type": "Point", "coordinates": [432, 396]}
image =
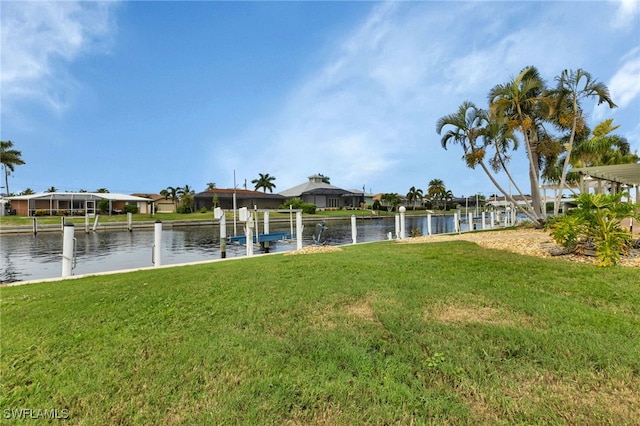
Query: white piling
{"type": "Point", "coordinates": [265, 226]}
{"type": "Point", "coordinates": [62, 223]}
{"type": "Point", "coordinates": [428, 223]}
{"type": "Point", "coordinates": [492, 219]}
{"type": "Point", "coordinates": [298, 230]}
{"type": "Point", "coordinates": [156, 251]}
{"type": "Point", "coordinates": [403, 233]}
{"type": "Point", "coordinates": [248, 232]}
{"type": "Point", "coordinates": [484, 223]}
{"type": "Point", "coordinates": [68, 246]}
{"type": "Point", "coordinates": [95, 223]}
{"type": "Point", "coordinates": [86, 223]}
{"type": "Point", "coordinates": [470, 220]}
{"type": "Point", "coordinates": [397, 217]}
{"type": "Point", "coordinates": [129, 221]}
{"type": "Point", "coordinates": [354, 229]}
{"type": "Point", "coordinates": [266, 222]}
{"type": "Point", "coordinates": [456, 223]}
{"type": "Point", "coordinates": [218, 213]}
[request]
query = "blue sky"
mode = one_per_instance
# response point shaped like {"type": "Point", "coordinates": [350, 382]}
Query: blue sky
{"type": "Point", "coordinates": [138, 96]}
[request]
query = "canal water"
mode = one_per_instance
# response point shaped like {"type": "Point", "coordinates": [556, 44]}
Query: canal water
{"type": "Point", "coordinates": [31, 257]}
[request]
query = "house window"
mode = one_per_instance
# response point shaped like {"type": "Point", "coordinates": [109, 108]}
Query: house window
{"type": "Point", "coordinates": [333, 202]}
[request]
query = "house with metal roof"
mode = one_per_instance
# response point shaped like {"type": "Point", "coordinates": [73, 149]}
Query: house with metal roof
{"type": "Point", "coordinates": [75, 203]}
{"type": "Point", "coordinates": [324, 195]}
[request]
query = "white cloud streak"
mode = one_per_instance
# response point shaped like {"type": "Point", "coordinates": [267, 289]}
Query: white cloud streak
{"type": "Point", "coordinates": [370, 111]}
{"type": "Point", "coordinates": [39, 38]}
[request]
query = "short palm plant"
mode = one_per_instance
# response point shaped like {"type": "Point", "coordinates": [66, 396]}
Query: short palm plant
{"type": "Point", "coordinates": [596, 223]}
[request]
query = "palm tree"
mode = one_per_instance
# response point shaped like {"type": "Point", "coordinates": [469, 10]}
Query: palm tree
{"type": "Point", "coordinates": [265, 181]}
{"type": "Point", "coordinates": [447, 196]}
{"type": "Point", "coordinates": [602, 148]}
{"type": "Point", "coordinates": [390, 200]}
{"type": "Point", "coordinates": [27, 191]}
{"type": "Point", "coordinates": [186, 196]}
{"type": "Point", "coordinates": [52, 189]}
{"type": "Point", "coordinates": [102, 191]}
{"type": "Point", "coordinates": [210, 186]}
{"type": "Point", "coordinates": [572, 87]}
{"type": "Point", "coordinates": [414, 195]}
{"type": "Point", "coordinates": [9, 158]}
{"type": "Point", "coordinates": [172, 193]}
{"type": "Point", "coordinates": [435, 189]}
{"type": "Point", "coordinates": [521, 104]}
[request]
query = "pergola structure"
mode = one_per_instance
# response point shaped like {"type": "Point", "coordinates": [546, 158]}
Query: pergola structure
{"type": "Point", "coordinates": [619, 177]}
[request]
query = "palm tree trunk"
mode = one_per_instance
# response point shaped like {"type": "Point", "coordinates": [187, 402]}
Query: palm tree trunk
{"type": "Point", "coordinates": [6, 179]}
{"type": "Point", "coordinates": [565, 166]}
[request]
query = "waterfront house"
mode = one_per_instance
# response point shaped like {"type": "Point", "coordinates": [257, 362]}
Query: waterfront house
{"type": "Point", "coordinates": [75, 203]}
{"type": "Point", "coordinates": [324, 195]}
{"type": "Point", "coordinates": [223, 198]}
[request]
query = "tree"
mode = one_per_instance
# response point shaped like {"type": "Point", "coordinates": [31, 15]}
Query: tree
{"type": "Point", "coordinates": [265, 181]}
{"type": "Point", "coordinates": [102, 191]}
{"type": "Point", "coordinates": [446, 196]}
{"type": "Point", "coordinates": [572, 87]}
{"type": "Point", "coordinates": [186, 197]}
{"type": "Point", "coordinates": [9, 158]}
{"type": "Point", "coordinates": [210, 186]}
{"type": "Point", "coordinates": [435, 190]}
{"type": "Point", "coordinates": [472, 128]}
{"type": "Point", "coordinates": [602, 148]}
{"type": "Point", "coordinates": [27, 191]}
{"type": "Point", "coordinates": [52, 189]}
{"type": "Point", "coordinates": [390, 200]}
{"type": "Point", "coordinates": [325, 179]}
{"type": "Point", "coordinates": [170, 193]}
{"type": "Point", "coordinates": [414, 195]}
{"type": "Point", "coordinates": [521, 105]}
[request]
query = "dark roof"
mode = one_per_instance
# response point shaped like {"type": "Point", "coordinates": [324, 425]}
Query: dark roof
{"type": "Point", "coordinates": [226, 193]}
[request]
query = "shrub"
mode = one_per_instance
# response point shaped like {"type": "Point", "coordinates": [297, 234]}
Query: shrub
{"type": "Point", "coordinates": [298, 204]}
{"type": "Point", "coordinates": [203, 210]}
{"type": "Point", "coordinates": [309, 208]}
{"type": "Point", "coordinates": [40, 212]}
{"type": "Point", "coordinates": [596, 221]}
{"type": "Point", "coordinates": [103, 205]}
{"type": "Point", "coordinates": [130, 208]}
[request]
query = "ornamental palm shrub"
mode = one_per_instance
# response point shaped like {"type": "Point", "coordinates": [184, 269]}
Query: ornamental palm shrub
{"type": "Point", "coordinates": [596, 223]}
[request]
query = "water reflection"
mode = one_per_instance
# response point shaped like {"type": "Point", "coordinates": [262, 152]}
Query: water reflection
{"type": "Point", "coordinates": [29, 257]}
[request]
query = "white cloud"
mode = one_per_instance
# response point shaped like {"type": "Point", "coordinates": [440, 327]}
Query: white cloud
{"type": "Point", "coordinates": [369, 113]}
{"type": "Point", "coordinates": [626, 14]}
{"type": "Point", "coordinates": [624, 86]}
{"type": "Point", "coordinates": [39, 38]}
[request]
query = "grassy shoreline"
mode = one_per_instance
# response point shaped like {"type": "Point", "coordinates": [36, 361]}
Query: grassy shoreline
{"type": "Point", "coordinates": [374, 334]}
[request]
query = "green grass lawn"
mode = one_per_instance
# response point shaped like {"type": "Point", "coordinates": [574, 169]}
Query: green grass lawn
{"type": "Point", "coordinates": [383, 333]}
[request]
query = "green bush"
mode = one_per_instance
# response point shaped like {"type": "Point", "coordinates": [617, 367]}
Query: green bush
{"type": "Point", "coordinates": [595, 222]}
{"type": "Point", "coordinates": [203, 210]}
{"type": "Point", "coordinates": [130, 208]}
{"type": "Point", "coordinates": [298, 204]}
{"type": "Point", "coordinates": [103, 205]}
{"type": "Point", "coordinates": [309, 208]}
